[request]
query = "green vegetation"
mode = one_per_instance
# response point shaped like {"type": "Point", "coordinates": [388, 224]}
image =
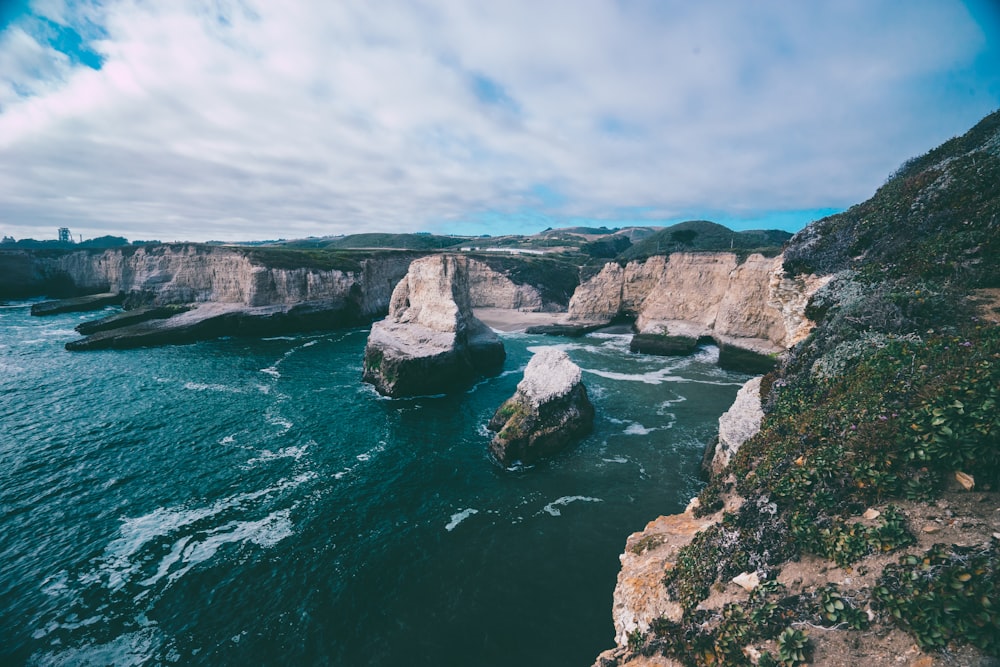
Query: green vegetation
{"type": "Point", "coordinates": [287, 258]}
{"type": "Point", "coordinates": [937, 219]}
{"type": "Point", "coordinates": [704, 236]}
{"type": "Point", "coordinates": [396, 241]}
{"type": "Point", "coordinates": [896, 390]}
{"type": "Point", "coordinates": [950, 593]}
{"type": "Point", "coordinates": [793, 647]}
{"type": "Point", "coordinates": [718, 637]}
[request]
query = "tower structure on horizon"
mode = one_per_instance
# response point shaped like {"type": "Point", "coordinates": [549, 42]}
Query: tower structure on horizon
{"type": "Point", "coordinates": [64, 235]}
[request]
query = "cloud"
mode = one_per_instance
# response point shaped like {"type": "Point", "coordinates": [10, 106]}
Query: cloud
{"type": "Point", "coordinates": [241, 119]}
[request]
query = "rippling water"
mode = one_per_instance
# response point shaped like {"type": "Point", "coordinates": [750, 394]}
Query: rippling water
{"type": "Point", "coordinates": [247, 501]}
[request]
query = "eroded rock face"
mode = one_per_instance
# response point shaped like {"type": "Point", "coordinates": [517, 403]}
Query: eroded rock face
{"type": "Point", "coordinates": [233, 293]}
{"type": "Point", "coordinates": [430, 342]}
{"type": "Point", "coordinates": [739, 423]}
{"type": "Point", "coordinates": [492, 289]}
{"type": "Point", "coordinates": [751, 305]}
{"type": "Point", "coordinates": [640, 596]}
{"type": "Point", "coordinates": [549, 411]}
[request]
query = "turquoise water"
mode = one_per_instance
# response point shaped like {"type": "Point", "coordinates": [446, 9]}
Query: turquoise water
{"type": "Point", "coordinates": [246, 501]}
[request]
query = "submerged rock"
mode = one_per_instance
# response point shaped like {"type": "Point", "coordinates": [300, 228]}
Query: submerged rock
{"type": "Point", "coordinates": [430, 342]}
{"type": "Point", "coordinates": [549, 411]}
{"type": "Point", "coordinates": [663, 344]}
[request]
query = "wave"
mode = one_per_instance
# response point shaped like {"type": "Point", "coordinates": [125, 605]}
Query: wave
{"type": "Point", "coordinates": [129, 650]}
{"type": "Point", "coordinates": [657, 377]}
{"type": "Point", "coordinates": [635, 428]}
{"type": "Point", "coordinates": [189, 551]}
{"type": "Point", "coordinates": [125, 557]}
{"type": "Point", "coordinates": [459, 517]}
{"type": "Point", "coordinates": [551, 508]}
{"type": "Point", "coordinates": [284, 453]}
{"type": "Point", "coordinates": [200, 386]}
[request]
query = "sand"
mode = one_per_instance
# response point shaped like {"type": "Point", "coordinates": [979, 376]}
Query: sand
{"type": "Point", "coordinates": [504, 319]}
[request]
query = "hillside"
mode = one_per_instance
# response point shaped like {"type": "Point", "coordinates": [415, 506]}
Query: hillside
{"type": "Point", "coordinates": [867, 502]}
{"type": "Point", "coordinates": [705, 236]}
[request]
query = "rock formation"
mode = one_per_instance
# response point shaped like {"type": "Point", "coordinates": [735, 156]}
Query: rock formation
{"type": "Point", "coordinates": [214, 291]}
{"type": "Point", "coordinates": [640, 596]}
{"type": "Point", "coordinates": [740, 423]}
{"type": "Point", "coordinates": [260, 290]}
{"type": "Point", "coordinates": [430, 342]}
{"type": "Point", "coordinates": [751, 305]}
{"type": "Point", "coordinates": [549, 411]}
{"type": "Point", "coordinates": [491, 289]}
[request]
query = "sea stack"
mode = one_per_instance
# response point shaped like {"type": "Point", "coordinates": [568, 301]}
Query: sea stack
{"type": "Point", "coordinates": [549, 411]}
{"type": "Point", "coordinates": [431, 343]}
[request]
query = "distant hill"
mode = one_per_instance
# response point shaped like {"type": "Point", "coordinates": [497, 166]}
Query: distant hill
{"type": "Point", "coordinates": [703, 236]}
{"type": "Point", "coordinates": [379, 240]}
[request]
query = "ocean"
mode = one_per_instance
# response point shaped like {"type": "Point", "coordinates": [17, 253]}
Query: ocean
{"type": "Point", "coordinates": [250, 502]}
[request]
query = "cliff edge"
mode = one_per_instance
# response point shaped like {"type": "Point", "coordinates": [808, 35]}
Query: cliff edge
{"type": "Point", "coordinates": [858, 525]}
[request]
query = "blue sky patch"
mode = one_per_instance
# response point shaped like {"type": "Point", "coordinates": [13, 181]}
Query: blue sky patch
{"type": "Point", "coordinates": [67, 40]}
{"type": "Point", "coordinates": [491, 93]}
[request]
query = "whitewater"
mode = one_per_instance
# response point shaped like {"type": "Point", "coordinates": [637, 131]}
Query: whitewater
{"type": "Point", "coordinates": [250, 501]}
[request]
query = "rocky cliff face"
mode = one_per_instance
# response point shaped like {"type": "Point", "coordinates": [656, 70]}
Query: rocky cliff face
{"type": "Point", "coordinates": [820, 503]}
{"type": "Point", "coordinates": [430, 342]}
{"type": "Point", "coordinates": [492, 289]}
{"type": "Point", "coordinates": [191, 273]}
{"type": "Point", "coordinates": [255, 290]}
{"type": "Point", "coordinates": [549, 411]}
{"type": "Point", "coordinates": [752, 304]}
{"type": "Point", "coordinates": [739, 423]}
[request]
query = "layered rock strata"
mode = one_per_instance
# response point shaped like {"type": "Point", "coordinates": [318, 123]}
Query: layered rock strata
{"type": "Point", "coordinates": [214, 291]}
{"type": "Point", "coordinates": [751, 305]}
{"type": "Point", "coordinates": [251, 290]}
{"type": "Point", "coordinates": [549, 411]}
{"type": "Point", "coordinates": [430, 342]}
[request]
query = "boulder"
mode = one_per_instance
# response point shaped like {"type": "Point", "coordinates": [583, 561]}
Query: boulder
{"type": "Point", "coordinates": [431, 343]}
{"type": "Point", "coordinates": [549, 411]}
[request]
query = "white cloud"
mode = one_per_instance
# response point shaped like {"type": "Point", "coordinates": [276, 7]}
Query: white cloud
{"type": "Point", "coordinates": [254, 119]}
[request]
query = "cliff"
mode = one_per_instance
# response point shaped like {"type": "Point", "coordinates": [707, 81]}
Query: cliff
{"type": "Point", "coordinates": [269, 289]}
{"type": "Point", "coordinates": [752, 304]}
{"type": "Point", "coordinates": [430, 342]}
{"type": "Point", "coordinates": [857, 525]}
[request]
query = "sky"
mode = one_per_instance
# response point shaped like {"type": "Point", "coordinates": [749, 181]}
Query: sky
{"type": "Point", "coordinates": [256, 119]}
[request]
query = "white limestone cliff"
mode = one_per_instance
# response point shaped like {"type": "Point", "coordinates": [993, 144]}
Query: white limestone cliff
{"type": "Point", "coordinates": [430, 342]}
{"type": "Point", "coordinates": [738, 424]}
{"type": "Point", "coordinates": [752, 304]}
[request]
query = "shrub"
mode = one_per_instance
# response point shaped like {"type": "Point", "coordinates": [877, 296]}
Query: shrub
{"type": "Point", "coordinates": [947, 595]}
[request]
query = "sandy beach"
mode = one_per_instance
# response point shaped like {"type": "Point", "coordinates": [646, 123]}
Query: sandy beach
{"type": "Point", "coordinates": [504, 319]}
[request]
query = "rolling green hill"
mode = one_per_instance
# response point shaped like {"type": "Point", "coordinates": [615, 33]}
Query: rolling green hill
{"type": "Point", "coordinates": [702, 236]}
